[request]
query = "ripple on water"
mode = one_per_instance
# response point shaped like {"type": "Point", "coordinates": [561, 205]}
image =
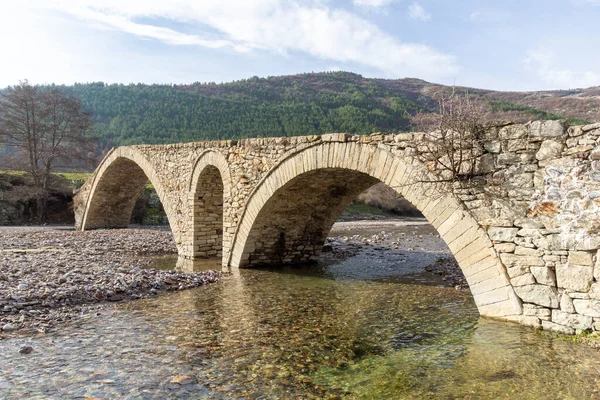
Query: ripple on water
{"type": "Point", "coordinates": [300, 332]}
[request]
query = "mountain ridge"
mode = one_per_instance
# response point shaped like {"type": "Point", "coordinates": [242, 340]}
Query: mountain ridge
{"type": "Point", "coordinates": [302, 104]}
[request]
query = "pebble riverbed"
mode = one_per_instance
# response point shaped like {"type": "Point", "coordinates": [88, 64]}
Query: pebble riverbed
{"type": "Point", "coordinates": [50, 276]}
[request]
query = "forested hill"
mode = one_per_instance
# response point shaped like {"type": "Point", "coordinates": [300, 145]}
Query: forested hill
{"type": "Point", "coordinates": [294, 105]}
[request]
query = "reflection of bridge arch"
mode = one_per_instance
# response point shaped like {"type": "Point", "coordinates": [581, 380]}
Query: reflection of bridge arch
{"type": "Point", "coordinates": [290, 212]}
{"type": "Point", "coordinates": [116, 186]}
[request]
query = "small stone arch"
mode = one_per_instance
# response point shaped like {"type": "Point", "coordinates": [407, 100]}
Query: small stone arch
{"type": "Point", "coordinates": [210, 197]}
{"type": "Point", "coordinates": [343, 169]}
{"type": "Point", "coordinates": [116, 186]}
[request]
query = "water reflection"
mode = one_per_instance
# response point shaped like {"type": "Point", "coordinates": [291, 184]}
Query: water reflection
{"type": "Point", "coordinates": [303, 332]}
{"type": "Point", "coordinates": [187, 265]}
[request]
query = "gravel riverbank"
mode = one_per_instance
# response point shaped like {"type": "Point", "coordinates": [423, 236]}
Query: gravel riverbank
{"type": "Point", "coordinates": [387, 238]}
{"type": "Point", "coordinates": [50, 276]}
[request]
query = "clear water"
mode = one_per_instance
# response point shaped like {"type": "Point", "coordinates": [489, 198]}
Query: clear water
{"type": "Point", "coordinates": [326, 331]}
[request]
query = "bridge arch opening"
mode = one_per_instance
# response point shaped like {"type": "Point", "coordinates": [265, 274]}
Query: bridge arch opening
{"type": "Point", "coordinates": [294, 223]}
{"type": "Point", "coordinates": [117, 186]}
{"type": "Point", "coordinates": [290, 213]}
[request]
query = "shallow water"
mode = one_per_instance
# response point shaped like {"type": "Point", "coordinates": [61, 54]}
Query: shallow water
{"type": "Point", "coordinates": [362, 328]}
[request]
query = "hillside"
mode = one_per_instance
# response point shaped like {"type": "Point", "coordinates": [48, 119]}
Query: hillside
{"type": "Point", "coordinates": [298, 105]}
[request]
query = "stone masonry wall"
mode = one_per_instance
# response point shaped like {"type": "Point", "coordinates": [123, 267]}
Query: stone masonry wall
{"type": "Point", "coordinates": [208, 215]}
{"type": "Point", "coordinates": [543, 217]}
{"type": "Point", "coordinates": [539, 207]}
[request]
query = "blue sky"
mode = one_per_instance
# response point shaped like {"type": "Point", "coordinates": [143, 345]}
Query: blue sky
{"type": "Point", "coordinates": [504, 45]}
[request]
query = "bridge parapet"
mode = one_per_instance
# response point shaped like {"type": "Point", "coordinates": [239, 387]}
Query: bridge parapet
{"type": "Point", "coordinates": [526, 237]}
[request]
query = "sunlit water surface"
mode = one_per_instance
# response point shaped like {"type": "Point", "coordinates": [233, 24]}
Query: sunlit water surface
{"type": "Point", "coordinates": [326, 331]}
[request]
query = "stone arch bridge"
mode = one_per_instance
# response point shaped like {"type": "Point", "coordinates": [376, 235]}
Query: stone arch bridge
{"type": "Point", "coordinates": [527, 241]}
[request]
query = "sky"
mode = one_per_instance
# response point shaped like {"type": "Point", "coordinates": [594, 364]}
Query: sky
{"type": "Point", "coordinates": [503, 45]}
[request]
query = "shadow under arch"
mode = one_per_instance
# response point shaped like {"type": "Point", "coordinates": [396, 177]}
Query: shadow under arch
{"type": "Point", "coordinates": [117, 184]}
{"type": "Point", "coordinates": [289, 214]}
{"type": "Point", "coordinates": [209, 189]}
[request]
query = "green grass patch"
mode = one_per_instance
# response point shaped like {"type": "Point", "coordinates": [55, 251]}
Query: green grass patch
{"type": "Point", "coordinates": [362, 208]}
{"type": "Point", "coordinates": [505, 106]}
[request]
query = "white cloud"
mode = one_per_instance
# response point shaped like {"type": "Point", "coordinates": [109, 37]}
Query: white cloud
{"type": "Point", "coordinates": [416, 11]}
{"type": "Point", "coordinates": [372, 3]}
{"type": "Point", "coordinates": [277, 26]}
{"type": "Point", "coordinates": [542, 62]}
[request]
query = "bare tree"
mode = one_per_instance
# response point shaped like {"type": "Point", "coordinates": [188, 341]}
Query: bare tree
{"type": "Point", "coordinates": [453, 138]}
{"type": "Point", "coordinates": [44, 128]}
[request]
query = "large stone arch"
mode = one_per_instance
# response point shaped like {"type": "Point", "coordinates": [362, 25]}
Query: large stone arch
{"type": "Point", "coordinates": [342, 170]}
{"type": "Point", "coordinates": [210, 197]}
{"type": "Point", "coordinates": [116, 186]}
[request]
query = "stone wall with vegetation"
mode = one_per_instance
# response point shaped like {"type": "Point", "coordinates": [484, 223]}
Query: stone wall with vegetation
{"type": "Point", "coordinates": [525, 233]}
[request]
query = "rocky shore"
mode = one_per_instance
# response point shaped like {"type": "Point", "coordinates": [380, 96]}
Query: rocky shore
{"type": "Point", "coordinates": [48, 277]}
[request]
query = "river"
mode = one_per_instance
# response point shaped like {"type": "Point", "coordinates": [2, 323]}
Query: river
{"type": "Point", "coordinates": [367, 327]}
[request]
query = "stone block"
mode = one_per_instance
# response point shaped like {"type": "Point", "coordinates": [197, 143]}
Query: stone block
{"type": "Point", "coordinates": [572, 320]}
{"type": "Point", "coordinates": [597, 267]}
{"type": "Point", "coordinates": [566, 304]}
{"type": "Point", "coordinates": [574, 277]}
{"type": "Point", "coordinates": [512, 132]}
{"type": "Point", "coordinates": [528, 223]}
{"type": "Point", "coordinates": [403, 137]}
{"type": "Point", "coordinates": [590, 127]}
{"type": "Point", "coordinates": [546, 129]}
{"type": "Point", "coordinates": [588, 243]}
{"type": "Point", "coordinates": [492, 146]}
{"type": "Point", "coordinates": [512, 260]}
{"type": "Point", "coordinates": [594, 292]}
{"type": "Point", "coordinates": [590, 308]}
{"type": "Point", "coordinates": [582, 258]}
{"type": "Point", "coordinates": [551, 326]}
{"type": "Point", "coordinates": [578, 295]}
{"type": "Point", "coordinates": [508, 159]}
{"type": "Point", "coordinates": [498, 234]}
{"type": "Point", "coordinates": [577, 150]}
{"type": "Point", "coordinates": [536, 311]}
{"type": "Point", "coordinates": [544, 275]}
{"type": "Point", "coordinates": [522, 280]}
{"type": "Point", "coordinates": [526, 251]}
{"type": "Point", "coordinates": [505, 247]}
{"type": "Point", "coordinates": [549, 149]}
{"type": "Point", "coordinates": [595, 154]}
{"type": "Point", "coordinates": [517, 271]}
{"type": "Point", "coordinates": [542, 295]}
{"type": "Point", "coordinates": [529, 232]}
